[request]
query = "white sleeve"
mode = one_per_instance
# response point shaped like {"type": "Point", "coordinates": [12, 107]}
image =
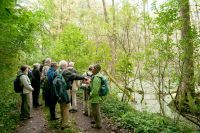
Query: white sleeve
{"type": "Point", "coordinates": [25, 83]}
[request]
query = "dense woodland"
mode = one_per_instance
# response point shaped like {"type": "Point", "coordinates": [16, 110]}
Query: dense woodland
{"type": "Point", "coordinates": [140, 44]}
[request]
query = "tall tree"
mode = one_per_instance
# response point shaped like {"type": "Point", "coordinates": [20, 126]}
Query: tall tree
{"type": "Point", "coordinates": [144, 16]}
{"type": "Point", "coordinates": [114, 38]}
{"type": "Point", "coordinates": [186, 91]}
{"type": "Point", "coordinates": [105, 11]}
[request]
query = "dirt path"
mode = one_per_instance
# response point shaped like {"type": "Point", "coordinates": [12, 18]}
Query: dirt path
{"type": "Point", "coordinates": [83, 122]}
{"type": "Point", "coordinates": [37, 124]}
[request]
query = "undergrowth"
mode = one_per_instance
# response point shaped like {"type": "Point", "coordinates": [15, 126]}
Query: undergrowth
{"type": "Point", "coordinates": [140, 122]}
{"type": "Point", "coordinates": [10, 107]}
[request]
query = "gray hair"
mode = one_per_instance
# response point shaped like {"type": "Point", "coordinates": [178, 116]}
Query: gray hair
{"type": "Point", "coordinates": [63, 63]}
{"type": "Point", "coordinates": [48, 61]}
{"type": "Point", "coordinates": [36, 65]}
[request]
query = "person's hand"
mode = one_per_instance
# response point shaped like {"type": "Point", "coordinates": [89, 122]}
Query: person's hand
{"type": "Point", "coordinates": [86, 80]}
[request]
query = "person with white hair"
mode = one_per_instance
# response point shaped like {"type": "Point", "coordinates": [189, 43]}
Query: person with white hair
{"type": "Point", "coordinates": [69, 77]}
{"type": "Point", "coordinates": [74, 87]}
{"type": "Point", "coordinates": [85, 85]}
{"type": "Point", "coordinates": [35, 82]}
{"type": "Point", "coordinates": [63, 64]}
{"type": "Point", "coordinates": [63, 94]}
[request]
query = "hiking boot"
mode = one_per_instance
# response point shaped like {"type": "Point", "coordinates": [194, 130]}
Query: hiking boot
{"type": "Point", "coordinates": [73, 110]}
{"type": "Point", "coordinates": [93, 122]}
{"type": "Point", "coordinates": [37, 105]}
{"type": "Point", "coordinates": [54, 118]}
{"type": "Point", "coordinates": [86, 114]}
{"type": "Point", "coordinates": [95, 126]}
{"type": "Point", "coordinates": [25, 118]}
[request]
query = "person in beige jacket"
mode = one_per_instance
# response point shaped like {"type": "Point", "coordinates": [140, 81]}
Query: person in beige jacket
{"type": "Point", "coordinates": [26, 94]}
{"type": "Point", "coordinates": [85, 85]}
{"type": "Point", "coordinates": [74, 87]}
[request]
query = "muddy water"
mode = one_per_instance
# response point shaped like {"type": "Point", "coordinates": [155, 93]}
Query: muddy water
{"type": "Point", "coordinates": [150, 102]}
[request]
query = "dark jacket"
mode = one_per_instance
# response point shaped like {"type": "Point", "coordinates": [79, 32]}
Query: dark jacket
{"type": "Point", "coordinates": [62, 83]}
{"type": "Point", "coordinates": [50, 94]}
{"type": "Point", "coordinates": [69, 76]}
{"type": "Point", "coordinates": [35, 79]}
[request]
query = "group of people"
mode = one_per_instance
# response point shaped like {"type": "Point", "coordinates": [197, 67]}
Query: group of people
{"type": "Point", "coordinates": [59, 82]}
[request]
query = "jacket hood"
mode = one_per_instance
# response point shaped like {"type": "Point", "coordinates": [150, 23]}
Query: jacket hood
{"type": "Point", "coordinates": [20, 73]}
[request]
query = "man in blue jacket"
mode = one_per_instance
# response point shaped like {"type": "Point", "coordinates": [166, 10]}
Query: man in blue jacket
{"type": "Point", "coordinates": [50, 94]}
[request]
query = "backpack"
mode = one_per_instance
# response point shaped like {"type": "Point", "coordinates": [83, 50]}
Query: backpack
{"type": "Point", "coordinates": [104, 89]}
{"type": "Point", "coordinates": [17, 87]}
{"type": "Point", "coordinates": [60, 85]}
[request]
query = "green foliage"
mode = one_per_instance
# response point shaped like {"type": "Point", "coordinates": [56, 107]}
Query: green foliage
{"type": "Point", "coordinates": [9, 111]}
{"type": "Point", "coordinates": [125, 65]}
{"type": "Point", "coordinates": [72, 45]}
{"type": "Point", "coordinates": [19, 34]}
{"type": "Point", "coordinates": [139, 122]}
{"type": "Point", "coordinates": [167, 17]}
{"type": "Point", "coordinates": [20, 28]}
{"type": "Point", "coordinates": [162, 61]}
{"type": "Point", "coordinates": [31, 35]}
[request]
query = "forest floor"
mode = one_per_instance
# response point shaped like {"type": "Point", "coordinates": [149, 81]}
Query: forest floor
{"type": "Point", "coordinates": [39, 124]}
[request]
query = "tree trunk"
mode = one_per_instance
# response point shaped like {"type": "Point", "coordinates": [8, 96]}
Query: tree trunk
{"type": "Point", "coordinates": [187, 84]}
{"type": "Point", "coordinates": [113, 40]}
{"type": "Point", "coordinates": [144, 17]}
{"type": "Point", "coordinates": [61, 15]}
{"type": "Point", "coordinates": [88, 4]}
{"type": "Point", "coordinates": [197, 14]}
{"type": "Point", "coordinates": [105, 11]}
